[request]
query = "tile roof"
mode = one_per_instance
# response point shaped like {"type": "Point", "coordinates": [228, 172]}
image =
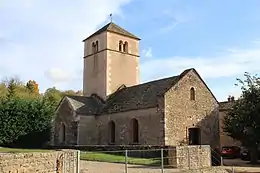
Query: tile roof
{"type": "Point", "coordinates": [226, 105]}
{"type": "Point", "coordinates": [112, 27]}
{"type": "Point", "coordinates": [84, 105]}
{"type": "Point", "coordinates": [127, 98]}
{"type": "Point", "coordinates": [139, 96]}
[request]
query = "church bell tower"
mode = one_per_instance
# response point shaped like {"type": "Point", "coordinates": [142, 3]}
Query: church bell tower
{"type": "Point", "coordinates": [111, 59]}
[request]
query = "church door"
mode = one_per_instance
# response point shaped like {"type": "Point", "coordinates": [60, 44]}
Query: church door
{"type": "Point", "coordinates": [112, 132]}
{"type": "Point", "coordinates": [135, 131]}
{"type": "Point", "coordinates": [194, 136]}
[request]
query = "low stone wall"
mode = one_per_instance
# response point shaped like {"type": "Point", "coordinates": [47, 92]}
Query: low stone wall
{"type": "Point", "coordinates": [190, 157]}
{"type": "Point", "coordinates": [65, 161]}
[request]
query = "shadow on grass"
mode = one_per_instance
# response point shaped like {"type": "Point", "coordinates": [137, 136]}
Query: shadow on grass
{"type": "Point", "coordinates": [20, 150]}
{"type": "Point", "coordinates": [119, 158]}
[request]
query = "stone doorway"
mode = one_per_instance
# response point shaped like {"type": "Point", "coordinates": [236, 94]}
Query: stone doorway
{"type": "Point", "coordinates": [194, 136]}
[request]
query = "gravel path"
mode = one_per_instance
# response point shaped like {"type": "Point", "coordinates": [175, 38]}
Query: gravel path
{"type": "Point", "coordinates": [103, 167]}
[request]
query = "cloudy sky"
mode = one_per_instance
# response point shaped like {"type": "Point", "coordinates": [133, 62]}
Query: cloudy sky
{"type": "Point", "coordinates": [41, 39]}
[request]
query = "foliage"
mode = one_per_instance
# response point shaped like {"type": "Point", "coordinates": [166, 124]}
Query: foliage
{"type": "Point", "coordinates": [21, 119]}
{"type": "Point", "coordinates": [32, 87]}
{"type": "Point", "coordinates": [25, 114]}
{"type": "Point", "coordinates": [54, 95]}
{"type": "Point", "coordinates": [243, 120]}
{"type": "Point", "coordinates": [11, 88]}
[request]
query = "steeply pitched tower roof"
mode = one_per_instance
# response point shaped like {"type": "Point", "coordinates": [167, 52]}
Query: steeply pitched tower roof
{"type": "Point", "coordinates": [112, 27]}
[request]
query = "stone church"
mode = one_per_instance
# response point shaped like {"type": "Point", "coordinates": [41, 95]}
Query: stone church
{"type": "Point", "coordinates": [116, 109]}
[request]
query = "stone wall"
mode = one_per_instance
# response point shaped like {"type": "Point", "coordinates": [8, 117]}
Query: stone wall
{"type": "Point", "coordinates": [52, 162]}
{"type": "Point", "coordinates": [182, 113]}
{"type": "Point", "coordinates": [190, 157]}
{"type": "Point", "coordinates": [95, 130]}
{"type": "Point", "coordinates": [65, 116]}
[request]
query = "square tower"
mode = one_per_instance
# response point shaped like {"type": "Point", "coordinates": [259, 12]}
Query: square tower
{"type": "Point", "coordinates": [111, 59]}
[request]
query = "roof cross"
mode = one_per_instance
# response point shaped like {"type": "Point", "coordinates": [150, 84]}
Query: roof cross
{"type": "Point", "coordinates": [111, 17]}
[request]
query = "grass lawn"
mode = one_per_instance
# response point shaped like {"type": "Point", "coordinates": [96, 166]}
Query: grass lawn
{"type": "Point", "coordinates": [105, 157]}
{"type": "Point", "coordinates": [18, 150]}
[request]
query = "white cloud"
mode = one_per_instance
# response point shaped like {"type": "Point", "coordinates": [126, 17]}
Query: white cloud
{"type": "Point", "coordinates": [45, 37]}
{"type": "Point", "coordinates": [58, 75]}
{"type": "Point", "coordinates": [232, 63]}
{"type": "Point", "coordinates": [147, 52]}
{"type": "Point", "coordinates": [222, 69]}
{"type": "Point", "coordinates": [173, 19]}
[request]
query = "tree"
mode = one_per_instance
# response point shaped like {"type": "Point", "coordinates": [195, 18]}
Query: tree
{"type": "Point", "coordinates": [32, 87]}
{"type": "Point", "coordinates": [53, 95]}
{"type": "Point", "coordinates": [22, 120]}
{"type": "Point", "coordinates": [243, 120]}
{"type": "Point", "coordinates": [11, 88]}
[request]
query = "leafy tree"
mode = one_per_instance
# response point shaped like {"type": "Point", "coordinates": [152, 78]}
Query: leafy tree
{"type": "Point", "coordinates": [53, 95]}
{"type": "Point", "coordinates": [243, 120]}
{"type": "Point", "coordinates": [11, 88]}
{"type": "Point", "coordinates": [3, 90]}
{"type": "Point", "coordinates": [32, 87]}
{"type": "Point", "coordinates": [71, 92]}
{"type": "Point", "coordinates": [22, 120]}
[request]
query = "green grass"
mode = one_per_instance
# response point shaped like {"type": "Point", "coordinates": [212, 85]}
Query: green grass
{"type": "Point", "coordinates": [18, 150]}
{"type": "Point", "coordinates": [105, 157]}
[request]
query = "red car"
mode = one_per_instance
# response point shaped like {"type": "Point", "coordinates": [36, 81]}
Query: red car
{"type": "Point", "coordinates": [230, 151]}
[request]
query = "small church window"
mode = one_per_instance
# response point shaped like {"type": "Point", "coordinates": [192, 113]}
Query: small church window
{"type": "Point", "coordinates": [96, 46]}
{"type": "Point", "coordinates": [192, 94]}
{"type": "Point", "coordinates": [135, 131]}
{"type": "Point", "coordinates": [120, 46]}
{"type": "Point", "coordinates": [93, 47]}
{"type": "Point", "coordinates": [126, 47]}
{"type": "Point", "coordinates": [63, 132]}
{"type": "Point", "coordinates": [112, 132]}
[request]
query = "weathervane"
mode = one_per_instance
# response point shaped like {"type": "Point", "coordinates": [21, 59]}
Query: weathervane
{"type": "Point", "coordinates": [111, 17]}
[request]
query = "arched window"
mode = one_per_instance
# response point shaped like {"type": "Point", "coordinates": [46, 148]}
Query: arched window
{"type": "Point", "coordinates": [126, 47]}
{"type": "Point", "coordinates": [63, 133]}
{"type": "Point", "coordinates": [192, 94]}
{"type": "Point", "coordinates": [112, 132]}
{"type": "Point", "coordinates": [135, 131]}
{"type": "Point", "coordinates": [93, 47]}
{"type": "Point", "coordinates": [120, 46]}
{"type": "Point", "coordinates": [96, 46]}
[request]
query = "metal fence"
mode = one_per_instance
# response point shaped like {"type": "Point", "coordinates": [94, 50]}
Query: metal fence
{"type": "Point", "coordinates": [149, 160]}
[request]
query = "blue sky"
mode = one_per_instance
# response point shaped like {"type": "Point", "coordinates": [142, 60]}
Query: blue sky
{"type": "Point", "coordinates": [41, 39]}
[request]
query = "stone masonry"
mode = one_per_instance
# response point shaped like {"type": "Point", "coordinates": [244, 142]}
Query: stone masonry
{"type": "Point", "coordinates": [182, 113]}
{"type": "Point", "coordinates": [158, 112]}
{"type": "Point", "coordinates": [190, 157]}
{"type": "Point", "coordinates": [51, 162]}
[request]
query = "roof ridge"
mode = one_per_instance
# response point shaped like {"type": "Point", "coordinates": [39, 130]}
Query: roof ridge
{"type": "Point", "coordinates": [112, 27]}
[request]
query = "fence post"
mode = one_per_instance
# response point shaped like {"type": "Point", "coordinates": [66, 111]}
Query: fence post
{"type": "Point", "coordinates": [78, 161]}
{"type": "Point", "coordinates": [126, 161]}
{"type": "Point", "coordinates": [162, 163]}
